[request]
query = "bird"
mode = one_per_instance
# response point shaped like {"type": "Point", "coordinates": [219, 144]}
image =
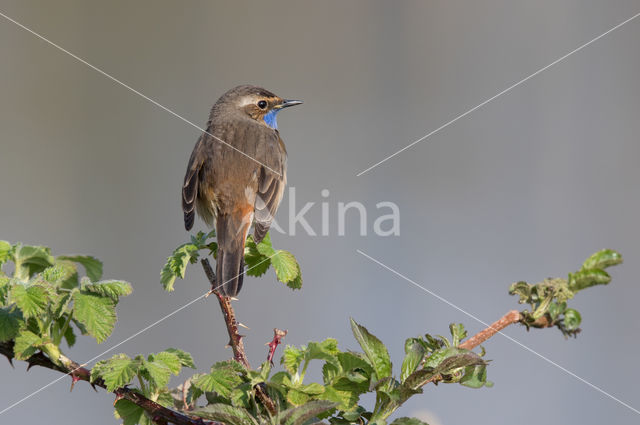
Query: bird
{"type": "Point", "coordinates": [236, 176]}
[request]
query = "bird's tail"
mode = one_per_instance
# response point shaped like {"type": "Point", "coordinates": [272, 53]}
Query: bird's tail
{"type": "Point", "coordinates": [230, 264]}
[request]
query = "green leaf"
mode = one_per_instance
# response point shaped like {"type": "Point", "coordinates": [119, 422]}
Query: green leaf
{"type": "Point", "coordinates": [475, 377]}
{"type": "Point", "coordinates": [326, 350]}
{"type": "Point", "coordinates": [130, 413]}
{"type": "Point", "coordinates": [26, 344]}
{"type": "Point", "coordinates": [572, 319]}
{"type": "Point", "coordinates": [30, 260]}
{"type": "Point", "coordinates": [602, 259]}
{"type": "Point", "coordinates": [346, 399]}
{"type": "Point", "coordinates": [92, 265]}
{"type": "Point", "coordinates": [176, 264]}
{"type": "Point", "coordinates": [116, 372]}
{"type": "Point", "coordinates": [32, 299]}
{"type": "Point", "coordinates": [229, 415]}
{"type": "Point", "coordinates": [264, 247]}
{"type": "Point", "coordinates": [9, 323]}
{"type": "Point", "coordinates": [414, 355]}
{"type": "Point", "coordinates": [285, 265]}
{"type": "Point", "coordinates": [300, 415]}
{"type": "Point", "coordinates": [156, 372]}
{"type": "Point", "coordinates": [97, 314]}
{"type": "Point", "coordinates": [257, 263]}
{"type": "Point", "coordinates": [170, 360]}
{"type": "Point", "coordinates": [5, 252]}
{"type": "Point", "coordinates": [5, 287]}
{"type": "Point", "coordinates": [296, 283]}
{"type": "Point", "coordinates": [109, 288]}
{"type": "Point", "coordinates": [297, 398]}
{"type": "Point", "coordinates": [221, 380]}
{"type": "Point", "coordinates": [408, 421]}
{"type": "Point", "coordinates": [311, 389]}
{"type": "Point", "coordinates": [292, 358]}
{"type": "Point", "coordinates": [184, 357]}
{"type": "Point", "coordinates": [585, 278]}
{"type": "Point", "coordinates": [458, 333]}
{"type": "Point", "coordinates": [375, 351]}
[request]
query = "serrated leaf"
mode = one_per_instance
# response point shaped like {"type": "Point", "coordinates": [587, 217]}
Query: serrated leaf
{"type": "Point", "coordinates": [297, 398]}
{"type": "Point", "coordinates": [296, 283]}
{"type": "Point", "coordinates": [264, 247]}
{"type": "Point", "coordinates": [346, 399]}
{"type": "Point", "coordinates": [5, 252]}
{"type": "Point", "coordinates": [26, 344]}
{"type": "Point", "coordinates": [9, 323]}
{"type": "Point", "coordinates": [300, 415]}
{"type": "Point", "coordinates": [97, 314]}
{"type": "Point", "coordinates": [414, 355]}
{"type": "Point", "coordinates": [32, 300]}
{"type": "Point", "coordinates": [326, 350]}
{"type": "Point", "coordinates": [257, 264]}
{"type": "Point", "coordinates": [59, 272]}
{"type": "Point", "coordinates": [92, 265]}
{"type": "Point", "coordinates": [311, 389]}
{"type": "Point", "coordinates": [157, 372]}
{"type": "Point", "coordinates": [292, 357]}
{"type": "Point", "coordinates": [185, 358]}
{"type": "Point", "coordinates": [285, 265]}
{"type": "Point", "coordinates": [130, 413]}
{"type": "Point", "coordinates": [170, 360]}
{"type": "Point", "coordinates": [375, 351]}
{"type": "Point", "coordinates": [4, 288]}
{"type": "Point", "coordinates": [220, 380]}
{"type": "Point", "coordinates": [116, 372]}
{"type": "Point", "coordinates": [109, 288]}
{"type": "Point", "coordinates": [229, 415]}
{"type": "Point", "coordinates": [30, 260]}
{"type": "Point", "coordinates": [350, 361]}
{"type": "Point", "coordinates": [602, 259]}
{"type": "Point", "coordinates": [458, 333]}
{"type": "Point", "coordinates": [176, 264]}
{"type": "Point", "coordinates": [408, 421]}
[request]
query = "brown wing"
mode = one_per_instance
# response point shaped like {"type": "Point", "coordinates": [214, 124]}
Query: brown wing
{"type": "Point", "coordinates": [270, 187]}
{"type": "Point", "coordinates": [190, 186]}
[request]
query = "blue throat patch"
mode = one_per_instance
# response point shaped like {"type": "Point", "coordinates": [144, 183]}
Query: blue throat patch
{"type": "Point", "coordinates": [270, 118]}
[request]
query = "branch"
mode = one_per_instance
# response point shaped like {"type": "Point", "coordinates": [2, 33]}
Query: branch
{"type": "Point", "coordinates": [157, 412]}
{"type": "Point", "coordinates": [508, 319]}
{"type": "Point", "coordinates": [235, 339]}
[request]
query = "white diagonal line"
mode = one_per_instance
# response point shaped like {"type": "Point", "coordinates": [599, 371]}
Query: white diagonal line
{"type": "Point", "coordinates": [600, 390]}
{"type": "Point", "coordinates": [129, 338]}
{"type": "Point", "coordinates": [560, 59]}
{"type": "Point", "coordinates": [128, 87]}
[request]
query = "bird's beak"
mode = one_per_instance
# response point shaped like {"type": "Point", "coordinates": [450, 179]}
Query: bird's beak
{"type": "Point", "coordinates": [286, 103]}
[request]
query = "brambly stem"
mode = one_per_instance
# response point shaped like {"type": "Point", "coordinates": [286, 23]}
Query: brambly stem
{"type": "Point", "coordinates": [235, 338]}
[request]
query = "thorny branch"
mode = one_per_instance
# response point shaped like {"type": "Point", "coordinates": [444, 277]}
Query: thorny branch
{"type": "Point", "coordinates": [235, 338]}
{"type": "Point", "coordinates": [158, 413]}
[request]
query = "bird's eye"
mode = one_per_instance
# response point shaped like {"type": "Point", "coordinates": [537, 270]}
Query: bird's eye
{"type": "Point", "coordinates": [262, 104]}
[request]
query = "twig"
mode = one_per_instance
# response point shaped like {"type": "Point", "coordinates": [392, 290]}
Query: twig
{"type": "Point", "coordinates": [278, 335]}
{"type": "Point", "coordinates": [508, 319]}
{"type": "Point", "coordinates": [235, 338]}
{"type": "Point", "coordinates": [158, 413]}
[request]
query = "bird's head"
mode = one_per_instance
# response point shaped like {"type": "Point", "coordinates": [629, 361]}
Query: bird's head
{"type": "Point", "coordinates": [257, 103]}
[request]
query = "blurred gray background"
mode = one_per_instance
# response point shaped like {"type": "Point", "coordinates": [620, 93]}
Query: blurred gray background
{"type": "Point", "coordinates": [524, 188]}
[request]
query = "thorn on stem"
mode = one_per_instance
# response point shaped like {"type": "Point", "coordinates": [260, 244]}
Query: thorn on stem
{"type": "Point", "coordinates": [244, 326]}
{"type": "Point", "coordinates": [74, 379]}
